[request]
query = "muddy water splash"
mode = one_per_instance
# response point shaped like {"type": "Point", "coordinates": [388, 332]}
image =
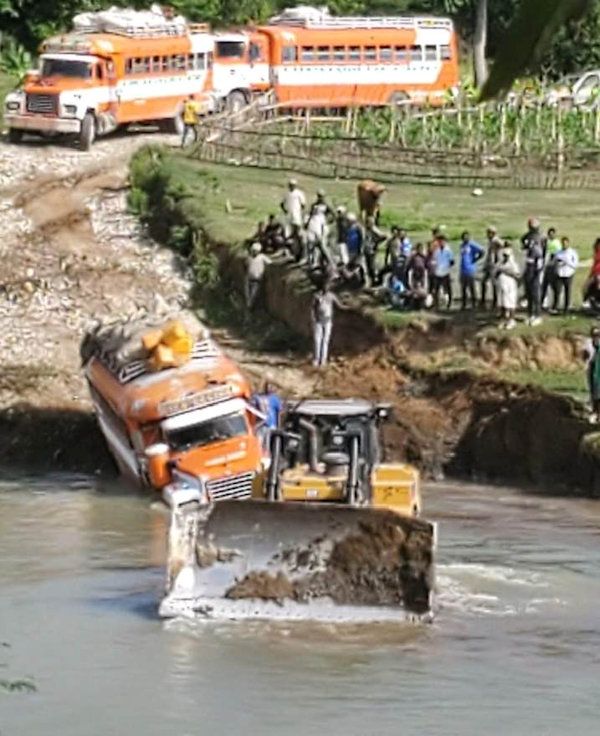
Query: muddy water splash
{"type": "Point", "coordinates": [515, 647]}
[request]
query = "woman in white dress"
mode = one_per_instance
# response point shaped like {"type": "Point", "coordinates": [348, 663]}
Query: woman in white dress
{"type": "Point", "coordinates": [507, 284]}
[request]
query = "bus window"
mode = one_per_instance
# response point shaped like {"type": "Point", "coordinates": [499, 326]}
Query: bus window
{"type": "Point", "coordinates": [370, 53]}
{"type": "Point", "coordinates": [255, 52]}
{"type": "Point", "coordinates": [401, 54]}
{"type": "Point", "coordinates": [209, 60]}
{"type": "Point", "coordinates": [416, 53]}
{"type": "Point", "coordinates": [339, 53]}
{"type": "Point", "coordinates": [446, 53]}
{"type": "Point", "coordinates": [200, 62]}
{"type": "Point", "coordinates": [308, 53]}
{"type": "Point", "coordinates": [431, 53]}
{"type": "Point", "coordinates": [156, 64]}
{"type": "Point", "coordinates": [323, 53]}
{"type": "Point", "coordinates": [230, 49]}
{"type": "Point", "coordinates": [385, 53]}
{"type": "Point", "coordinates": [354, 53]}
{"type": "Point", "coordinates": [289, 54]}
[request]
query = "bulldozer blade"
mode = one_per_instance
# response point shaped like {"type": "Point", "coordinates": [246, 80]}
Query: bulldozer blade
{"type": "Point", "coordinates": [259, 559]}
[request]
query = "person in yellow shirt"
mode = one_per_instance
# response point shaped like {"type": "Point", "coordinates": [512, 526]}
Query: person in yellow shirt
{"type": "Point", "coordinates": [191, 110]}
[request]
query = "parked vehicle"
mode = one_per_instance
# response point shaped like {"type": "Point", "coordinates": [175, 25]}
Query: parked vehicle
{"type": "Point", "coordinates": [576, 90]}
{"type": "Point", "coordinates": [114, 69]}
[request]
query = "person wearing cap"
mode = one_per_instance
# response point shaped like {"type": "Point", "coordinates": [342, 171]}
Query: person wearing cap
{"type": "Point", "coordinates": [591, 354]}
{"type": "Point", "coordinates": [490, 260]}
{"type": "Point", "coordinates": [293, 205]}
{"type": "Point", "coordinates": [256, 266]}
{"type": "Point", "coordinates": [533, 245]}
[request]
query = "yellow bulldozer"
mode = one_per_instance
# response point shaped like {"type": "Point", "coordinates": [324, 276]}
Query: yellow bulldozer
{"type": "Point", "coordinates": [333, 531]}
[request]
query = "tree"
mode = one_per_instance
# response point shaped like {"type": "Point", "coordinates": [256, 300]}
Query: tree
{"type": "Point", "coordinates": [528, 36]}
{"type": "Point", "coordinates": [480, 42]}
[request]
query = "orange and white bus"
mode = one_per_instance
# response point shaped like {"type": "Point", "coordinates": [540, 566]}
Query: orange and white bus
{"type": "Point", "coordinates": [92, 81]}
{"type": "Point", "coordinates": [175, 425]}
{"type": "Point", "coordinates": [310, 58]}
{"type": "Point", "coordinates": [320, 60]}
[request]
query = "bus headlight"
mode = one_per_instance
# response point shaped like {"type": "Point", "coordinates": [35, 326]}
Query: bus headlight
{"type": "Point", "coordinates": [70, 110]}
{"type": "Point", "coordinates": [13, 106]}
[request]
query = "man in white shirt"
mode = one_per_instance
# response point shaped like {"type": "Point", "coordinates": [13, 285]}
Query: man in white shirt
{"type": "Point", "coordinates": [565, 263]}
{"type": "Point", "coordinates": [256, 266]}
{"type": "Point", "coordinates": [294, 206]}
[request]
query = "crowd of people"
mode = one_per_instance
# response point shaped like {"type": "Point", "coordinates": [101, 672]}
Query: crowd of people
{"type": "Point", "coordinates": [341, 252]}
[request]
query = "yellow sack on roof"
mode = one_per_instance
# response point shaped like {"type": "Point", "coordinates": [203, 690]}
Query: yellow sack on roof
{"type": "Point", "coordinates": [168, 347]}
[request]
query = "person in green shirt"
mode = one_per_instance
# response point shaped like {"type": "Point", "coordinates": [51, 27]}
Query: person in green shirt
{"type": "Point", "coordinates": [551, 248]}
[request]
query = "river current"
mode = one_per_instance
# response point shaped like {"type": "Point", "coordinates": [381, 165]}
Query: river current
{"type": "Point", "coordinates": [514, 648]}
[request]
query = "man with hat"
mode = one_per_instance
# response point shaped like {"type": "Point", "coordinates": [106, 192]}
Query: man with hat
{"type": "Point", "coordinates": [293, 205]}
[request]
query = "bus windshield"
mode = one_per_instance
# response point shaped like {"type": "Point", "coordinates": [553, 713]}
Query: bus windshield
{"type": "Point", "coordinates": [230, 49]}
{"type": "Point", "coordinates": [66, 68]}
{"type": "Point", "coordinates": [204, 433]}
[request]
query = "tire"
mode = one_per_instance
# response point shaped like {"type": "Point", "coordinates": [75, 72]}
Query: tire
{"type": "Point", "coordinates": [87, 135]}
{"type": "Point", "coordinates": [15, 135]}
{"type": "Point", "coordinates": [236, 101]}
{"type": "Point", "coordinates": [398, 98]}
{"type": "Point", "coordinates": [173, 126]}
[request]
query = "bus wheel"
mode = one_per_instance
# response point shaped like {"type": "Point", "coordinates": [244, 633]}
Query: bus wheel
{"type": "Point", "coordinates": [87, 135]}
{"type": "Point", "coordinates": [398, 98]}
{"type": "Point", "coordinates": [15, 135]}
{"type": "Point", "coordinates": [173, 125]}
{"type": "Point", "coordinates": [236, 101]}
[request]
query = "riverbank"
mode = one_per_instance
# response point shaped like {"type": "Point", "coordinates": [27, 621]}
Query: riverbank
{"type": "Point", "coordinates": [455, 411]}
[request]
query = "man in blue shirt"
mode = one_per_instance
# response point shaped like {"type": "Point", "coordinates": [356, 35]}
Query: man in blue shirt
{"type": "Point", "coordinates": [268, 404]}
{"type": "Point", "coordinates": [442, 261]}
{"type": "Point", "coordinates": [470, 253]}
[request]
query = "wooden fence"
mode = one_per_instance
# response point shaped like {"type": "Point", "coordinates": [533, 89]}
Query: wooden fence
{"type": "Point", "coordinates": [269, 136]}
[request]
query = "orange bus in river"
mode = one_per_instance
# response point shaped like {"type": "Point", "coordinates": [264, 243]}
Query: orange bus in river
{"type": "Point", "coordinates": [115, 68]}
{"type": "Point", "coordinates": [174, 410]}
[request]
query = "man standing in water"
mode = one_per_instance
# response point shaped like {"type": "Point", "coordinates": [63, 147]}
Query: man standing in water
{"type": "Point", "coordinates": [323, 305]}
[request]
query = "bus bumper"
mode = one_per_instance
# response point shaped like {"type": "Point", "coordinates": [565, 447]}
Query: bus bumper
{"type": "Point", "coordinates": [42, 124]}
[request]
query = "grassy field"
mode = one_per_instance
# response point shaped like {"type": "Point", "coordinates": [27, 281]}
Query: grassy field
{"type": "Point", "coordinates": [7, 83]}
{"type": "Point", "coordinates": [253, 193]}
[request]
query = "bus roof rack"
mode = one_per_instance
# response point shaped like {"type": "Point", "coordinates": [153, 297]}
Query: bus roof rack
{"type": "Point", "coordinates": [308, 17]}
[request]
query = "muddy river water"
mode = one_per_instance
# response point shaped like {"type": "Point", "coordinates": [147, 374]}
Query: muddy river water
{"type": "Point", "coordinates": [515, 647]}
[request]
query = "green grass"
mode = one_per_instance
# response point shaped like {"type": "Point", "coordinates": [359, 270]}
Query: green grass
{"type": "Point", "coordinates": [254, 193]}
{"type": "Point", "coordinates": [572, 383]}
{"type": "Point", "coordinates": [7, 84]}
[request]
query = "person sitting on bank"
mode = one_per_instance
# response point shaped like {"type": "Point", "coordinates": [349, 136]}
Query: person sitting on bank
{"type": "Point", "coordinates": [273, 236]}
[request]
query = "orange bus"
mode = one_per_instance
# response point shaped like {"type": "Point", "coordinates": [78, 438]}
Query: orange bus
{"type": "Point", "coordinates": [310, 58]}
{"type": "Point", "coordinates": [92, 81]}
{"type": "Point", "coordinates": [173, 427]}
